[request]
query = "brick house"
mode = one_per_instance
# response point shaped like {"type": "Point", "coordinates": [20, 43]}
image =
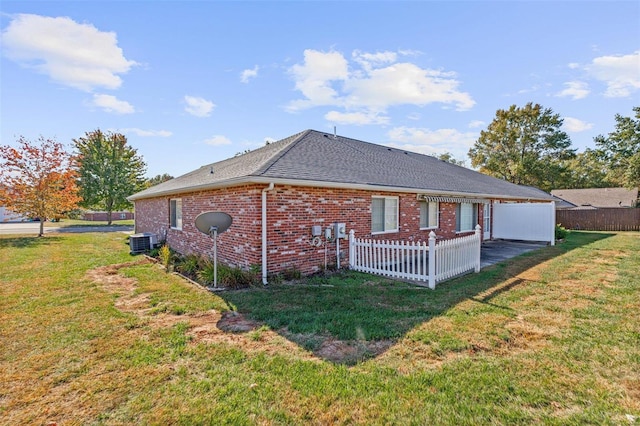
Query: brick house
{"type": "Point", "coordinates": [276, 194]}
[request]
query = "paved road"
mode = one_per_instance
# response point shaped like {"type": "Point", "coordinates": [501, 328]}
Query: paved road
{"type": "Point", "coordinates": [28, 228]}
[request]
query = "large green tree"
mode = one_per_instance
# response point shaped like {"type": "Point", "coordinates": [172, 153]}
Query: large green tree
{"type": "Point", "coordinates": [524, 146]}
{"type": "Point", "coordinates": [620, 151]}
{"type": "Point", "coordinates": [587, 170]}
{"type": "Point", "coordinates": [37, 180]}
{"type": "Point", "coordinates": [109, 171]}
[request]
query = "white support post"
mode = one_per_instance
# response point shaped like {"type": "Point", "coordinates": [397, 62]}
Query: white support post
{"type": "Point", "coordinates": [552, 237]}
{"type": "Point", "coordinates": [479, 236]}
{"type": "Point", "coordinates": [352, 248]}
{"type": "Point", "coordinates": [432, 260]}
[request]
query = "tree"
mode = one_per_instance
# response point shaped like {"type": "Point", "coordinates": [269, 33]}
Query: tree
{"type": "Point", "coordinates": [109, 171]}
{"type": "Point", "coordinates": [449, 158]}
{"type": "Point", "coordinates": [524, 146]}
{"type": "Point", "coordinates": [620, 151]}
{"type": "Point", "coordinates": [587, 170]}
{"type": "Point", "coordinates": [38, 180]}
{"type": "Point", "coordinates": [157, 179]}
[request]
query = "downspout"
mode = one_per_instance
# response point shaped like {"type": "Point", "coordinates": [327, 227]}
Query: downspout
{"type": "Point", "coordinates": [264, 232]}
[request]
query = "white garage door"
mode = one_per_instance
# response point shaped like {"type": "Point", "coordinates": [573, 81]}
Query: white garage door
{"type": "Point", "coordinates": [524, 221]}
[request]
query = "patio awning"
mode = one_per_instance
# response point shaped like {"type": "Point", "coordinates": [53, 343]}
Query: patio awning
{"type": "Point", "coordinates": [426, 197]}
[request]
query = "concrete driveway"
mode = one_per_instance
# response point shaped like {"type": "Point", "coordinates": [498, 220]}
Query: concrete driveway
{"type": "Point", "coordinates": [495, 251]}
{"type": "Point", "coordinates": [28, 228]}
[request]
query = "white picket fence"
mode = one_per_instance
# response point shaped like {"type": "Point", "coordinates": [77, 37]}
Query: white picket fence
{"type": "Point", "coordinates": [412, 260]}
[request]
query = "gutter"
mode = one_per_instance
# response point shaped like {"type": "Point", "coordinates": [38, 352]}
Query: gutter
{"type": "Point", "coordinates": [264, 232]}
{"type": "Point", "coordinates": [323, 184]}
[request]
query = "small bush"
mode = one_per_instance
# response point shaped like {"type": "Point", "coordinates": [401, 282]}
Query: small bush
{"type": "Point", "coordinates": [206, 273]}
{"type": "Point", "coordinates": [236, 277]}
{"type": "Point", "coordinates": [561, 232]}
{"type": "Point", "coordinates": [292, 273]}
{"type": "Point", "coordinates": [188, 265]}
{"type": "Point", "coordinates": [164, 254]}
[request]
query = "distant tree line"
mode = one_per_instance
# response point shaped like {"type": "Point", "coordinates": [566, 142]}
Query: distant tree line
{"type": "Point", "coordinates": [526, 146]}
{"type": "Point", "coordinates": [41, 180]}
{"type": "Point", "coordinates": [523, 145]}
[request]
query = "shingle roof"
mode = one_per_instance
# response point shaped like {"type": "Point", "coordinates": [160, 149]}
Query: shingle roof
{"type": "Point", "coordinates": [313, 157]}
{"type": "Point", "coordinates": [599, 197]}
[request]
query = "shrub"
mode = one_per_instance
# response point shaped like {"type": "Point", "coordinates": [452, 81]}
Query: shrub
{"type": "Point", "coordinates": [236, 277]}
{"type": "Point", "coordinates": [188, 265]}
{"type": "Point", "coordinates": [206, 272]}
{"type": "Point", "coordinates": [291, 273]}
{"type": "Point", "coordinates": [164, 254]}
{"type": "Point", "coordinates": [561, 232]}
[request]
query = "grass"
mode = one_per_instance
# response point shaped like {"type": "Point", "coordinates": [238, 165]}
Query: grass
{"type": "Point", "coordinates": [92, 335]}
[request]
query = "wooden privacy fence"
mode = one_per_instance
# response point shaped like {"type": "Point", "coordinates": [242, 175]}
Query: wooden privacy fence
{"type": "Point", "coordinates": [604, 219]}
{"type": "Point", "coordinates": [429, 262]}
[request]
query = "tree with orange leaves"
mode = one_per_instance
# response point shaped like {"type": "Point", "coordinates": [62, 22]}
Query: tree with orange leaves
{"type": "Point", "coordinates": [38, 180]}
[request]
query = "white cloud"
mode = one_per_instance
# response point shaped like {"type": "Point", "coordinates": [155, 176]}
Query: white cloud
{"type": "Point", "coordinates": [248, 74]}
{"type": "Point", "coordinates": [70, 53]}
{"type": "Point", "coordinates": [573, 65]}
{"type": "Point", "coordinates": [621, 74]}
{"type": "Point", "coordinates": [110, 103]}
{"type": "Point", "coordinates": [198, 106]}
{"type": "Point", "coordinates": [575, 90]}
{"type": "Point", "coordinates": [475, 124]}
{"type": "Point", "coordinates": [370, 60]}
{"type": "Point", "coordinates": [218, 140]}
{"type": "Point", "coordinates": [369, 85]}
{"type": "Point", "coordinates": [574, 125]}
{"type": "Point", "coordinates": [427, 141]}
{"type": "Point", "coordinates": [148, 133]}
{"type": "Point", "coordinates": [314, 78]}
{"type": "Point", "coordinates": [355, 118]}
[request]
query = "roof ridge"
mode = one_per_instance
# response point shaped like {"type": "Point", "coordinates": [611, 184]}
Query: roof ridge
{"type": "Point", "coordinates": [274, 159]}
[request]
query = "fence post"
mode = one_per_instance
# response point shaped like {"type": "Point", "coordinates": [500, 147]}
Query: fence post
{"type": "Point", "coordinates": [432, 260]}
{"type": "Point", "coordinates": [351, 248]}
{"type": "Point", "coordinates": [479, 237]}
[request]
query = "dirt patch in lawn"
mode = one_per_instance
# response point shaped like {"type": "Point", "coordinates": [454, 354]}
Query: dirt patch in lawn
{"type": "Point", "coordinates": [211, 326]}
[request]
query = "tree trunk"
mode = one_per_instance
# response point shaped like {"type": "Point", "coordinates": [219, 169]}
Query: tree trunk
{"type": "Point", "coordinates": [109, 218]}
{"type": "Point", "coordinates": [41, 234]}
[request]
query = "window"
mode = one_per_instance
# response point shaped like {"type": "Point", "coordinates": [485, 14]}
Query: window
{"type": "Point", "coordinates": [384, 214]}
{"type": "Point", "coordinates": [428, 214]}
{"type": "Point", "coordinates": [175, 213]}
{"type": "Point", "coordinates": [466, 217]}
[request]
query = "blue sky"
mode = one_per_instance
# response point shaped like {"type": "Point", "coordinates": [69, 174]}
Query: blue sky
{"type": "Point", "coordinates": [191, 83]}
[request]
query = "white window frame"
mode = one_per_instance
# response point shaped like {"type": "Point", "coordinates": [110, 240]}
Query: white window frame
{"type": "Point", "coordinates": [430, 210]}
{"type": "Point", "coordinates": [388, 227]}
{"type": "Point", "coordinates": [175, 213]}
{"type": "Point", "coordinates": [473, 220]}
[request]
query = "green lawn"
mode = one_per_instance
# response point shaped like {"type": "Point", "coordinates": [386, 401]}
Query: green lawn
{"type": "Point", "coordinates": [92, 335]}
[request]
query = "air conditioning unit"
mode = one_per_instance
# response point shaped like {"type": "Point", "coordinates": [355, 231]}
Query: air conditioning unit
{"type": "Point", "coordinates": [139, 243]}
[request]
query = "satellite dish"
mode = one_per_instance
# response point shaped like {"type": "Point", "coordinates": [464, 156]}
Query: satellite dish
{"type": "Point", "coordinates": [212, 224]}
{"type": "Point", "coordinates": [205, 222]}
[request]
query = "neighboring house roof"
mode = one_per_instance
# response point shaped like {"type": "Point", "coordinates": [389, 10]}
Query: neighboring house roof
{"type": "Point", "coordinates": [599, 197]}
{"type": "Point", "coordinates": [315, 158]}
{"type": "Point", "coordinates": [563, 204]}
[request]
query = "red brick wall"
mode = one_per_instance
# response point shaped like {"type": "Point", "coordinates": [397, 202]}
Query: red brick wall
{"type": "Point", "coordinates": [238, 246]}
{"type": "Point", "coordinates": [291, 211]}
